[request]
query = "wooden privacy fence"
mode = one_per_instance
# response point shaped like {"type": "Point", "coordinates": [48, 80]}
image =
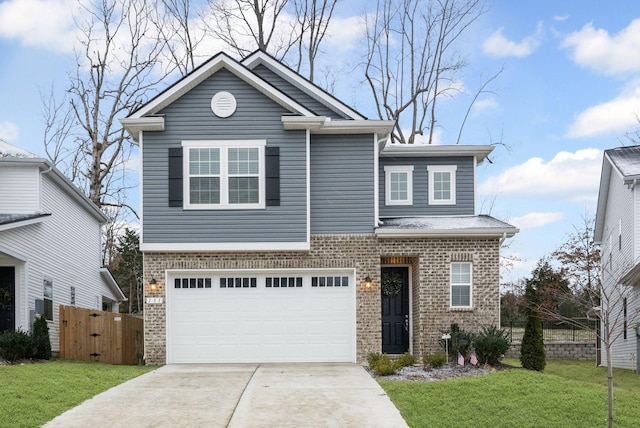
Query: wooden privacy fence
{"type": "Point", "coordinates": [108, 337]}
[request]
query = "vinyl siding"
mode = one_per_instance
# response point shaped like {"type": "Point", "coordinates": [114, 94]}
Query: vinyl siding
{"type": "Point", "coordinates": [293, 92]}
{"type": "Point", "coordinates": [64, 247]}
{"type": "Point", "coordinates": [616, 261]}
{"type": "Point", "coordinates": [190, 118]}
{"type": "Point", "coordinates": [19, 189]}
{"type": "Point", "coordinates": [420, 207]}
{"type": "Point", "coordinates": [342, 190]}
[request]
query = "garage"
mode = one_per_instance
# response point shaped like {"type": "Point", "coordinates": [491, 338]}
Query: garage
{"type": "Point", "coordinates": [261, 316]}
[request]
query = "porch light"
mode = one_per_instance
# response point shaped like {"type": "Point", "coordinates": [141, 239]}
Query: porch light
{"type": "Point", "coordinates": [368, 282]}
{"type": "Point", "coordinates": [153, 284]}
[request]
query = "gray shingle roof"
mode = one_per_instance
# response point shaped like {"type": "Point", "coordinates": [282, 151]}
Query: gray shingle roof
{"type": "Point", "coordinates": [626, 159]}
{"type": "Point", "coordinates": [14, 218]}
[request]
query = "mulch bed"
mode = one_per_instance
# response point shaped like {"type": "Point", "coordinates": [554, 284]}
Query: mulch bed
{"type": "Point", "coordinates": [451, 371]}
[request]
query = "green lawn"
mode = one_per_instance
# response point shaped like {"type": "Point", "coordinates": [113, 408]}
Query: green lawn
{"type": "Point", "coordinates": [32, 394]}
{"type": "Point", "coordinates": [566, 394]}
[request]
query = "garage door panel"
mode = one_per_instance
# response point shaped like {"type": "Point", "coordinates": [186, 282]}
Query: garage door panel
{"type": "Point", "coordinates": [262, 324]}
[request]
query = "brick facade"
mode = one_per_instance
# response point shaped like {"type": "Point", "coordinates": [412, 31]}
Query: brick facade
{"type": "Point", "coordinates": [429, 260]}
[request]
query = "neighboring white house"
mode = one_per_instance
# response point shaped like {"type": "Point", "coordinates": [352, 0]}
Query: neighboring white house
{"type": "Point", "coordinates": [50, 245]}
{"type": "Point", "coordinates": [617, 231]}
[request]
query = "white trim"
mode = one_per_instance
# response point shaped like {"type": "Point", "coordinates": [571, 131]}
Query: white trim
{"type": "Point", "coordinates": [376, 181]}
{"type": "Point", "coordinates": [475, 186]}
{"type": "Point", "coordinates": [299, 82]}
{"type": "Point", "coordinates": [308, 185]}
{"type": "Point", "coordinates": [433, 150]}
{"type": "Point", "coordinates": [21, 223]}
{"type": "Point", "coordinates": [443, 233]}
{"type": "Point", "coordinates": [206, 70]}
{"type": "Point", "coordinates": [324, 125]}
{"type": "Point", "coordinates": [140, 187]}
{"type": "Point", "coordinates": [15, 255]}
{"type": "Point", "coordinates": [225, 246]}
{"type": "Point", "coordinates": [224, 146]}
{"type": "Point", "coordinates": [451, 169]}
{"type": "Point", "coordinates": [390, 169]}
{"type": "Point", "coordinates": [135, 126]}
{"type": "Point", "coordinates": [451, 284]}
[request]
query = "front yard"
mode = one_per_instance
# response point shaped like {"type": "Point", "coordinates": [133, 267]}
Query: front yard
{"type": "Point", "coordinates": [566, 394]}
{"type": "Point", "coordinates": [33, 394]}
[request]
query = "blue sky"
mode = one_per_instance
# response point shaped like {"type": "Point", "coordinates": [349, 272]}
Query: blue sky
{"type": "Point", "coordinates": [569, 90]}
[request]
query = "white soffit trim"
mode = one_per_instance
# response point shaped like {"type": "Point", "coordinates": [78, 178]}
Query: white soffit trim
{"type": "Point", "coordinates": [437, 233]}
{"type": "Point", "coordinates": [111, 282]}
{"type": "Point", "coordinates": [324, 125]}
{"type": "Point", "coordinates": [201, 73]}
{"type": "Point", "coordinates": [226, 246]}
{"type": "Point", "coordinates": [480, 152]}
{"type": "Point", "coordinates": [259, 57]}
{"type": "Point", "coordinates": [135, 125]}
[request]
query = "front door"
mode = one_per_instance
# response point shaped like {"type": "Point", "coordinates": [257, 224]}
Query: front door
{"type": "Point", "coordinates": [395, 309]}
{"type": "Point", "coordinates": [7, 298]}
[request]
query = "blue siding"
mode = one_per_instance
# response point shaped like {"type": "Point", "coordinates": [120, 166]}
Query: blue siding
{"type": "Point", "coordinates": [342, 190]}
{"type": "Point", "coordinates": [191, 118]}
{"type": "Point", "coordinates": [464, 187]}
{"type": "Point", "coordinates": [293, 92]}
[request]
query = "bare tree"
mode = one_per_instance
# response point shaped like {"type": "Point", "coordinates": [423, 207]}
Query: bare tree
{"type": "Point", "coordinates": [411, 61]}
{"type": "Point", "coordinates": [178, 25]}
{"type": "Point", "coordinates": [247, 25]}
{"type": "Point", "coordinates": [313, 18]}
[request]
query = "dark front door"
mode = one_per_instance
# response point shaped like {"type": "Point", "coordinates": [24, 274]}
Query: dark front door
{"type": "Point", "coordinates": [7, 298]}
{"type": "Point", "coordinates": [394, 287]}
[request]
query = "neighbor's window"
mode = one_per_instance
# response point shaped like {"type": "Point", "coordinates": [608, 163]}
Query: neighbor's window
{"type": "Point", "coordinates": [224, 174]}
{"type": "Point", "coordinates": [48, 299]}
{"type": "Point", "coordinates": [442, 184]}
{"type": "Point", "coordinates": [461, 285]}
{"type": "Point", "coordinates": [398, 185]}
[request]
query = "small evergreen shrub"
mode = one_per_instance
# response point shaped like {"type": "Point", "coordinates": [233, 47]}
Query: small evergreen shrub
{"type": "Point", "coordinates": [16, 345]}
{"type": "Point", "coordinates": [41, 342]}
{"type": "Point", "coordinates": [406, 360]}
{"type": "Point", "coordinates": [491, 345]}
{"type": "Point", "coordinates": [434, 360]}
{"type": "Point", "coordinates": [532, 355]}
{"type": "Point", "coordinates": [384, 366]}
{"type": "Point", "coordinates": [372, 359]}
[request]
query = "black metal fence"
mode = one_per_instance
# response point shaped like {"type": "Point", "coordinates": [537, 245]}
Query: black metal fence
{"type": "Point", "coordinates": [555, 331]}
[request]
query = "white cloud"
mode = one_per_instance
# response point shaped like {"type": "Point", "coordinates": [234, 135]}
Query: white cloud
{"type": "Point", "coordinates": [560, 18]}
{"type": "Point", "coordinates": [484, 104]}
{"type": "Point", "coordinates": [571, 176]}
{"type": "Point", "coordinates": [618, 115]}
{"type": "Point", "coordinates": [498, 46]}
{"type": "Point", "coordinates": [536, 219]}
{"type": "Point", "coordinates": [41, 23]}
{"type": "Point", "coordinates": [344, 33]}
{"type": "Point", "coordinates": [8, 131]}
{"type": "Point", "coordinates": [604, 53]}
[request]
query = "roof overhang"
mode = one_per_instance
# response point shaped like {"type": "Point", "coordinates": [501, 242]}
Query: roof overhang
{"type": "Point", "coordinates": [324, 125]}
{"type": "Point", "coordinates": [632, 277]}
{"type": "Point", "coordinates": [149, 123]}
{"type": "Point", "coordinates": [480, 152]}
{"type": "Point", "coordinates": [481, 226]}
{"type": "Point", "coordinates": [603, 196]}
{"type": "Point", "coordinates": [501, 233]}
{"type": "Point", "coordinates": [113, 285]}
{"type": "Point", "coordinates": [23, 220]}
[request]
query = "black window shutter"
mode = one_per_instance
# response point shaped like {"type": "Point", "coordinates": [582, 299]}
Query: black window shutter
{"type": "Point", "coordinates": [175, 177]}
{"type": "Point", "coordinates": [272, 176]}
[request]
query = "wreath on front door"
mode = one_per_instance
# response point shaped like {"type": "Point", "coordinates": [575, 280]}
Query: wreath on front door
{"type": "Point", "coordinates": [391, 285]}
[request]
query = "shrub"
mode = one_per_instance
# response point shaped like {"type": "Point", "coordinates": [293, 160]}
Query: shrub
{"type": "Point", "coordinates": [373, 358]}
{"type": "Point", "coordinates": [16, 345]}
{"type": "Point", "coordinates": [384, 366]}
{"type": "Point", "coordinates": [434, 360]}
{"type": "Point", "coordinates": [532, 354]}
{"type": "Point", "coordinates": [461, 342]}
{"type": "Point", "coordinates": [41, 342]}
{"type": "Point", "coordinates": [406, 360]}
{"type": "Point", "coordinates": [491, 345]}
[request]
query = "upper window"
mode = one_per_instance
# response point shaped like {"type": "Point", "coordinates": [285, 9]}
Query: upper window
{"type": "Point", "coordinates": [224, 174]}
{"type": "Point", "coordinates": [461, 278]}
{"type": "Point", "coordinates": [442, 184]}
{"type": "Point", "coordinates": [48, 298]}
{"type": "Point", "coordinates": [398, 185]}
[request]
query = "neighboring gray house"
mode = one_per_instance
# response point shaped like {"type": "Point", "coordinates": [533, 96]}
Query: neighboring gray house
{"type": "Point", "coordinates": [278, 225]}
{"type": "Point", "coordinates": [617, 231]}
{"type": "Point", "coordinates": [50, 245]}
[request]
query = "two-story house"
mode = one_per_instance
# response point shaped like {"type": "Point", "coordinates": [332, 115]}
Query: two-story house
{"type": "Point", "coordinates": [50, 245]}
{"type": "Point", "coordinates": [617, 231]}
{"type": "Point", "coordinates": [278, 225]}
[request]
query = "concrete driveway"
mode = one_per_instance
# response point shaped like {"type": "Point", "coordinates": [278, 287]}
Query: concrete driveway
{"type": "Point", "coordinates": [240, 395]}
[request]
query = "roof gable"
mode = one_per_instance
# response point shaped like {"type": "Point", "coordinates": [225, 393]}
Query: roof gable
{"type": "Point", "coordinates": [262, 58]}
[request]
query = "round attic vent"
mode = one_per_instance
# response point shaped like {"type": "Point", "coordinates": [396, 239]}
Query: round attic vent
{"type": "Point", "coordinates": [223, 104]}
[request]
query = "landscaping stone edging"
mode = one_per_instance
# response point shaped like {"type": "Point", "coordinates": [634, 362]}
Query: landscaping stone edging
{"type": "Point", "coordinates": [582, 351]}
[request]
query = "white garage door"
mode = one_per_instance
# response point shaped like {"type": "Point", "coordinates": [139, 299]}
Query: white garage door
{"type": "Point", "coordinates": [265, 316]}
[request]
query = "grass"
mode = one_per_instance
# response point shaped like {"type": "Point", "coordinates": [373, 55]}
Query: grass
{"type": "Point", "coordinates": [32, 394]}
{"type": "Point", "coordinates": [566, 394]}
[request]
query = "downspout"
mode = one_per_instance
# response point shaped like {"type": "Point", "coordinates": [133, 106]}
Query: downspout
{"type": "Point", "coordinates": [504, 236]}
{"type": "Point", "coordinates": [48, 170]}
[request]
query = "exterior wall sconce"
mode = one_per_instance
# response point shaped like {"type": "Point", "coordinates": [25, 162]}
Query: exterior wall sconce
{"type": "Point", "coordinates": [153, 284]}
{"type": "Point", "coordinates": [368, 283]}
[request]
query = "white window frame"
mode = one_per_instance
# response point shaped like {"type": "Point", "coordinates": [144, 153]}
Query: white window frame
{"type": "Point", "coordinates": [451, 169]}
{"type": "Point", "coordinates": [461, 284]}
{"type": "Point", "coordinates": [224, 146]}
{"type": "Point", "coordinates": [406, 169]}
{"type": "Point", "coordinates": [47, 296]}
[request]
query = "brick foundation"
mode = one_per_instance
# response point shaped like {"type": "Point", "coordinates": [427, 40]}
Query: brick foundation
{"type": "Point", "coordinates": [429, 260]}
